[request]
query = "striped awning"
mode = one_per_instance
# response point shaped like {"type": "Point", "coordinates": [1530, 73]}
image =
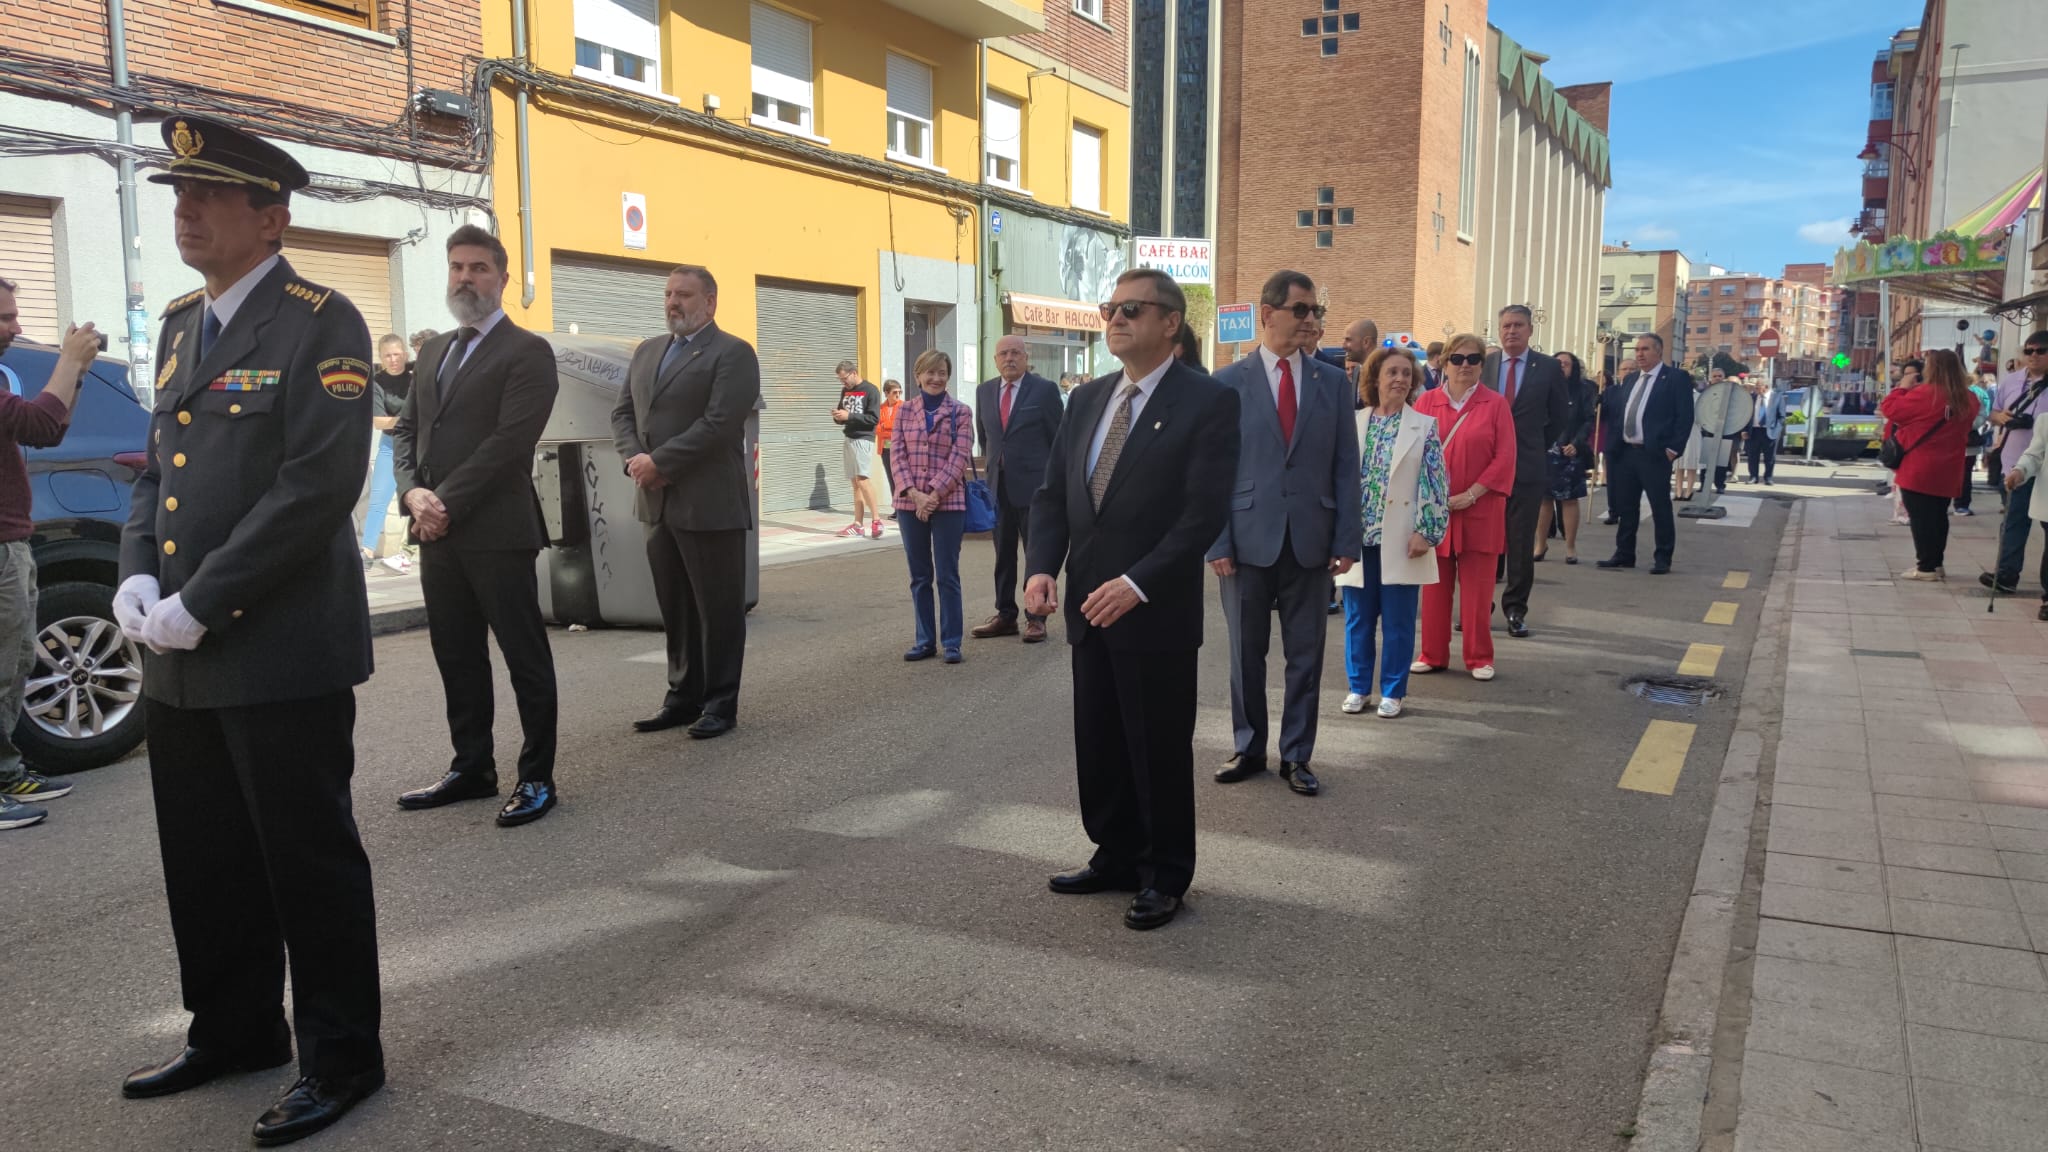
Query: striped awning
{"type": "Point", "coordinates": [2004, 209]}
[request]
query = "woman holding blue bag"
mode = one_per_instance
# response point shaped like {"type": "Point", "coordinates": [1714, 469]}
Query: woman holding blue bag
{"type": "Point", "coordinates": [929, 456]}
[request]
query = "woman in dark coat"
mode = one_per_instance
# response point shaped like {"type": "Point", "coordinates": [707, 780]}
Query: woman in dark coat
{"type": "Point", "coordinates": [1569, 460]}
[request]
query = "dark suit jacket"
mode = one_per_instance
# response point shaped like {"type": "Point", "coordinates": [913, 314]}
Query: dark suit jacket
{"type": "Point", "coordinates": [1021, 450]}
{"type": "Point", "coordinates": [1667, 415]}
{"type": "Point", "coordinates": [473, 446]}
{"type": "Point", "coordinates": [693, 421]}
{"type": "Point", "coordinates": [1541, 409]}
{"type": "Point", "coordinates": [1165, 504]}
{"type": "Point", "coordinates": [1584, 401]}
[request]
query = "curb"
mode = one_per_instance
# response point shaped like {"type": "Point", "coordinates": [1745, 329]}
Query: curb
{"type": "Point", "coordinates": [393, 620]}
{"type": "Point", "coordinates": [1711, 965]}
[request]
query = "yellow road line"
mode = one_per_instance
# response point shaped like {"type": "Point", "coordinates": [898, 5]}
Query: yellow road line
{"type": "Point", "coordinates": [1736, 580]}
{"type": "Point", "coordinates": [1700, 660]}
{"type": "Point", "coordinates": [1659, 757]}
{"type": "Point", "coordinates": [1722, 612]}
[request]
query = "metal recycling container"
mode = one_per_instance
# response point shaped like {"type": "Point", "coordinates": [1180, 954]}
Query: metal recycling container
{"type": "Point", "coordinates": [594, 571]}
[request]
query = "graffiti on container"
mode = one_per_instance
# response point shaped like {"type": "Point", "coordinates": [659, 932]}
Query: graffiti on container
{"type": "Point", "coordinates": [607, 369]}
{"type": "Point", "coordinates": [600, 534]}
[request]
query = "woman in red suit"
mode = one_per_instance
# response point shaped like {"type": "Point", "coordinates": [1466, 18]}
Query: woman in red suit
{"type": "Point", "coordinates": [1478, 434]}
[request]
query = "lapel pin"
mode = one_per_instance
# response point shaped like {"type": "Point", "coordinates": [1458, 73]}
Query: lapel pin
{"type": "Point", "coordinates": [1158, 424]}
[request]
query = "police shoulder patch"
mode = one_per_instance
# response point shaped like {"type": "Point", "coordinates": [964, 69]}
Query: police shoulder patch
{"type": "Point", "coordinates": [185, 301]}
{"type": "Point", "coordinates": [344, 377]}
{"type": "Point", "coordinates": [310, 293]}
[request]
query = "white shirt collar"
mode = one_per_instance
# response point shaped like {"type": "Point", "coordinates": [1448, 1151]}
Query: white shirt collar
{"type": "Point", "coordinates": [1148, 384]}
{"type": "Point", "coordinates": [230, 301]}
{"type": "Point", "coordinates": [1272, 365]}
{"type": "Point", "coordinates": [483, 327]}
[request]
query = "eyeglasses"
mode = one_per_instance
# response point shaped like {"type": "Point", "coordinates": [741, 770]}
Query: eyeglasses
{"type": "Point", "coordinates": [1304, 311]}
{"type": "Point", "coordinates": [2038, 350]}
{"type": "Point", "coordinates": [1130, 308]}
{"type": "Point", "coordinates": [1461, 358]}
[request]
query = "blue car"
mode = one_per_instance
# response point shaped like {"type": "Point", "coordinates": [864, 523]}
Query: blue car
{"type": "Point", "coordinates": [83, 704]}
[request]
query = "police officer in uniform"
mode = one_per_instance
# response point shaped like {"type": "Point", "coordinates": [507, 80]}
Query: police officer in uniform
{"type": "Point", "coordinates": [240, 574]}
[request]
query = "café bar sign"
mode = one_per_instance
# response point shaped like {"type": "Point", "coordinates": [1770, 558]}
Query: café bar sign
{"type": "Point", "coordinates": [1187, 261]}
{"type": "Point", "coordinates": [1052, 312]}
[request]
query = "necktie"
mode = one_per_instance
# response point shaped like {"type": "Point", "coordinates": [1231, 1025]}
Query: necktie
{"type": "Point", "coordinates": [1633, 433]}
{"type": "Point", "coordinates": [1009, 391]}
{"type": "Point", "coordinates": [453, 365]}
{"type": "Point", "coordinates": [675, 349]}
{"type": "Point", "coordinates": [209, 331]}
{"type": "Point", "coordinates": [1509, 391]}
{"type": "Point", "coordinates": [1287, 401]}
{"type": "Point", "coordinates": [1112, 446]}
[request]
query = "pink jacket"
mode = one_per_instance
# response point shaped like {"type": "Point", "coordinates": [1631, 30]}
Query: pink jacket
{"type": "Point", "coordinates": [934, 461]}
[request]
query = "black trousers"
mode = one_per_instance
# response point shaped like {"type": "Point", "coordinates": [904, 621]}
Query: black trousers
{"type": "Point", "coordinates": [1610, 462]}
{"type": "Point", "coordinates": [1134, 754]}
{"type": "Point", "coordinates": [1928, 517]}
{"type": "Point", "coordinates": [888, 476]}
{"type": "Point", "coordinates": [262, 862]}
{"type": "Point", "coordinates": [1761, 449]}
{"type": "Point", "coordinates": [1518, 564]}
{"type": "Point", "coordinates": [1301, 596]}
{"type": "Point", "coordinates": [1013, 533]}
{"type": "Point", "coordinates": [472, 596]}
{"type": "Point", "coordinates": [1639, 471]}
{"type": "Point", "coordinates": [700, 584]}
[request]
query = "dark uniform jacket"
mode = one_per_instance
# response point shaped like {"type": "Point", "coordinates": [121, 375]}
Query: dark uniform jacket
{"type": "Point", "coordinates": [257, 453]}
{"type": "Point", "coordinates": [692, 419]}
{"type": "Point", "coordinates": [473, 447]}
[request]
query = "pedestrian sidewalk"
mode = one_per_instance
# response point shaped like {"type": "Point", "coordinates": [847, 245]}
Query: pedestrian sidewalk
{"type": "Point", "coordinates": [1900, 997]}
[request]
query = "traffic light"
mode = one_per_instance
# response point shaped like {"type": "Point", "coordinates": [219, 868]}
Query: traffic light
{"type": "Point", "coordinates": [1841, 360]}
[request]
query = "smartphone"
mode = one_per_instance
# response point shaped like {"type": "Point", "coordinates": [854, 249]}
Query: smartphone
{"type": "Point", "coordinates": [103, 341]}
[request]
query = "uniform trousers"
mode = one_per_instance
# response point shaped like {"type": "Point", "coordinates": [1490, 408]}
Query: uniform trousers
{"type": "Point", "coordinates": [262, 862]}
{"type": "Point", "coordinates": [1134, 756]}
{"type": "Point", "coordinates": [1470, 576]}
{"type": "Point", "coordinates": [472, 595]}
{"type": "Point", "coordinates": [700, 585]}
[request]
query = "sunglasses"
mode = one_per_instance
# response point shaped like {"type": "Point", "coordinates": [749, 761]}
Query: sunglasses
{"type": "Point", "coordinates": [1130, 308]}
{"type": "Point", "coordinates": [1462, 358]}
{"type": "Point", "coordinates": [1304, 311]}
{"type": "Point", "coordinates": [2039, 351]}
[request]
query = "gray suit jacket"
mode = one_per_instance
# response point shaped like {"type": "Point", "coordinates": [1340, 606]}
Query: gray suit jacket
{"type": "Point", "coordinates": [692, 419]}
{"type": "Point", "coordinates": [1305, 491]}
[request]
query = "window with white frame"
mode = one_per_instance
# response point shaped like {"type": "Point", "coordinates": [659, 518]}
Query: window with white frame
{"type": "Point", "coordinates": [1468, 146]}
{"type": "Point", "coordinates": [1002, 125]}
{"type": "Point", "coordinates": [1092, 9]}
{"type": "Point", "coordinates": [619, 42]}
{"type": "Point", "coordinates": [910, 110]}
{"type": "Point", "coordinates": [1638, 324]}
{"type": "Point", "coordinates": [782, 69]}
{"type": "Point", "coordinates": [1087, 168]}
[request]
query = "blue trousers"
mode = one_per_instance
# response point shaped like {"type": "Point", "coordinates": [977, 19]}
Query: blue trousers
{"type": "Point", "coordinates": [2014, 533]}
{"type": "Point", "coordinates": [382, 488]}
{"type": "Point", "coordinates": [933, 549]}
{"type": "Point", "coordinates": [1389, 608]}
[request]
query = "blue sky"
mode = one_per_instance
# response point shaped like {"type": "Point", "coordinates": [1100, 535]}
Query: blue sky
{"type": "Point", "coordinates": [1735, 123]}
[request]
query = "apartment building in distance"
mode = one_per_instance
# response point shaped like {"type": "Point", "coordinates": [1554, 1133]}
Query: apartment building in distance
{"type": "Point", "coordinates": [330, 82]}
{"type": "Point", "coordinates": [1831, 336]}
{"type": "Point", "coordinates": [1643, 291]}
{"type": "Point", "coordinates": [1730, 311]}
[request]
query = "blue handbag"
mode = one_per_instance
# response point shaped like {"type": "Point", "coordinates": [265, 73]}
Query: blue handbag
{"type": "Point", "coordinates": [981, 504]}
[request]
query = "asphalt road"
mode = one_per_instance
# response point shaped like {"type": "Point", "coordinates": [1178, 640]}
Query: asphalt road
{"type": "Point", "coordinates": [830, 930]}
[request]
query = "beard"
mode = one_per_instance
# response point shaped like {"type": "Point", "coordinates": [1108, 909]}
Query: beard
{"type": "Point", "coordinates": [468, 307]}
{"type": "Point", "coordinates": [680, 326]}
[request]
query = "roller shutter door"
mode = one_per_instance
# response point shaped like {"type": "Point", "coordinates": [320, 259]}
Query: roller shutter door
{"type": "Point", "coordinates": [358, 267]}
{"type": "Point", "coordinates": [802, 335]}
{"type": "Point", "coordinates": [28, 257]}
{"type": "Point", "coordinates": [609, 298]}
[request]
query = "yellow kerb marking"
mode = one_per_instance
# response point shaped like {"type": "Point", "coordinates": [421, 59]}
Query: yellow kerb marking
{"type": "Point", "coordinates": [1736, 580]}
{"type": "Point", "coordinates": [1700, 660]}
{"type": "Point", "coordinates": [1722, 612]}
{"type": "Point", "coordinates": [1659, 757]}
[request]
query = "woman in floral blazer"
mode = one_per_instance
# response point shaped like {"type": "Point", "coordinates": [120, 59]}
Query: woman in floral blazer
{"type": "Point", "coordinates": [929, 455]}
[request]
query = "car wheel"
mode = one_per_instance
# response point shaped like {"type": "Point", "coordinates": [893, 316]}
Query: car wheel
{"type": "Point", "coordinates": [82, 704]}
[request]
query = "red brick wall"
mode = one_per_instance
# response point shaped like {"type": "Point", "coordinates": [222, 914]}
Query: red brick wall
{"type": "Point", "coordinates": [1590, 101]}
{"type": "Point", "coordinates": [1104, 53]}
{"type": "Point", "coordinates": [233, 50]}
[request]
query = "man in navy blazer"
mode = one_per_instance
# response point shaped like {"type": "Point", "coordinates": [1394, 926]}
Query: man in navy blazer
{"type": "Point", "coordinates": [1018, 415]}
{"type": "Point", "coordinates": [1650, 418]}
{"type": "Point", "coordinates": [1766, 426]}
{"type": "Point", "coordinates": [1293, 525]}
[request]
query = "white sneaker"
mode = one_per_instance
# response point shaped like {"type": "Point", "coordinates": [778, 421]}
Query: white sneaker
{"type": "Point", "coordinates": [1421, 669]}
{"type": "Point", "coordinates": [1483, 672]}
{"type": "Point", "coordinates": [398, 562]}
{"type": "Point", "coordinates": [1354, 704]}
{"type": "Point", "coordinates": [1390, 707]}
{"type": "Point", "coordinates": [1917, 574]}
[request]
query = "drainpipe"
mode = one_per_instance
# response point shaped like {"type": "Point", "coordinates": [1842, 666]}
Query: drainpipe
{"type": "Point", "coordinates": [983, 256]}
{"type": "Point", "coordinates": [525, 158]}
{"type": "Point", "coordinates": [140, 355]}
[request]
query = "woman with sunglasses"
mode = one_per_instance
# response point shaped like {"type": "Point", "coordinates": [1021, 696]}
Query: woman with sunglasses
{"type": "Point", "coordinates": [1477, 432]}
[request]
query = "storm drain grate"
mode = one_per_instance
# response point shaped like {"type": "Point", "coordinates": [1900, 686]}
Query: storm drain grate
{"type": "Point", "coordinates": [1682, 691]}
{"type": "Point", "coordinates": [1855, 535]}
{"type": "Point", "coordinates": [1887, 653]}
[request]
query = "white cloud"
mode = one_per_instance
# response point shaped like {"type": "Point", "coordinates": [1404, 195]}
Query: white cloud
{"type": "Point", "coordinates": [1827, 232]}
{"type": "Point", "coordinates": [1655, 234]}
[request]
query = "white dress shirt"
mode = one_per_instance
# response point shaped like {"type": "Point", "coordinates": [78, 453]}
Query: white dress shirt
{"type": "Point", "coordinates": [1521, 370]}
{"type": "Point", "coordinates": [1146, 386]}
{"type": "Point", "coordinates": [483, 329]}
{"type": "Point", "coordinates": [1272, 364]}
{"type": "Point", "coordinates": [230, 301]}
{"type": "Point", "coordinates": [1632, 416]}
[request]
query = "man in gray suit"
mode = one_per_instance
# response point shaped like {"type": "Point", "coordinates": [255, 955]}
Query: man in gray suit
{"type": "Point", "coordinates": [680, 426]}
{"type": "Point", "coordinates": [1293, 525]}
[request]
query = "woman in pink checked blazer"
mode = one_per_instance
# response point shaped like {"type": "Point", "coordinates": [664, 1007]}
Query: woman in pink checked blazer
{"type": "Point", "coordinates": [929, 454]}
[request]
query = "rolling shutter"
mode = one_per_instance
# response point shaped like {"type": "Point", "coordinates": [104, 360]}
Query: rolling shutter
{"type": "Point", "coordinates": [801, 334]}
{"type": "Point", "coordinates": [1087, 168]}
{"type": "Point", "coordinates": [910, 87]}
{"type": "Point", "coordinates": [358, 267]}
{"type": "Point", "coordinates": [1003, 124]}
{"type": "Point", "coordinates": [628, 25]}
{"type": "Point", "coordinates": [782, 55]}
{"type": "Point", "coordinates": [609, 297]}
{"type": "Point", "coordinates": [28, 257]}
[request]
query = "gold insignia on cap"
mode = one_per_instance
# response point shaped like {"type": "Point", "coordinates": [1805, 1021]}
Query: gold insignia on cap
{"type": "Point", "coordinates": [185, 142]}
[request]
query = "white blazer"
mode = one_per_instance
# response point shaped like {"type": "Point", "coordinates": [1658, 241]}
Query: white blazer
{"type": "Point", "coordinates": [1397, 519]}
{"type": "Point", "coordinates": [2030, 464]}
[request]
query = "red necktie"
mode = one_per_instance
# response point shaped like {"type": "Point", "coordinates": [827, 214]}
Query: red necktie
{"type": "Point", "coordinates": [1008, 391]}
{"type": "Point", "coordinates": [1509, 392]}
{"type": "Point", "coordinates": [1287, 401]}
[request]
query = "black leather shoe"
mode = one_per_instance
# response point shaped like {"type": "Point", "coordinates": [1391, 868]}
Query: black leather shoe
{"type": "Point", "coordinates": [1086, 881]}
{"type": "Point", "coordinates": [1614, 562]}
{"type": "Point", "coordinates": [1517, 627]}
{"type": "Point", "coordinates": [1152, 909]}
{"type": "Point", "coordinates": [1240, 768]}
{"type": "Point", "coordinates": [193, 1067]}
{"type": "Point", "coordinates": [1299, 778]}
{"type": "Point", "coordinates": [1993, 582]}
{"type": "Point", "coordinates": [708, 726]}
{"type": "Point", "coordinates": [529, 802]}
{"type": "Point", "coordinates": [1609, 520]}
{"type": "Point", "coordinates": [670, 716]}
{"type": "Point", "coordinates": [453, 787]}
{"type": "Point", "coordinates": [1660, 568]}
{"type": "Point", "coordinates": [312, 1104]}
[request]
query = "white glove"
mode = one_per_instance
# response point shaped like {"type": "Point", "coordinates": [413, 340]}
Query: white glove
{"type": "Point", "coordinates": [137, 595]}
{"type": "Point", "coordinates": [171, 627]}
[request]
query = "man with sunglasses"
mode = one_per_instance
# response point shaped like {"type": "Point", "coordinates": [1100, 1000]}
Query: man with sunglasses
{"type": "Point", "coordinates": [1137, 486]}
{"type": "Point", "coordinates": [1535, 390]}
{"type": "Point", "coordinates": [1293, 525]}
{"type": "Point", "coordinates": [2022, 399]}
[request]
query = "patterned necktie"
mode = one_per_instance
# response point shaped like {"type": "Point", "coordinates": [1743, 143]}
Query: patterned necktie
{"type": "Point", "coordinates": [1509, 392]}
{"type": "Point", "coordinates": [1286, 401]}
{"type": "Point", "coordinates": [1009, 391]}
{"type": "Point", "coordinates": [209, 331]}
{"type": "Point", "coordinates": [1112, 446]}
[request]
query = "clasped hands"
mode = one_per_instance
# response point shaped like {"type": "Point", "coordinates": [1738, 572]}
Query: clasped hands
{"type": "Point", "coordinates": [641, 468]}
{"type": "Point", "coordinates": [429, 515]}
{"type": "Point", "coordinates": [149, 618]}
{"type": "Point", "coordinates": [925, 503]}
